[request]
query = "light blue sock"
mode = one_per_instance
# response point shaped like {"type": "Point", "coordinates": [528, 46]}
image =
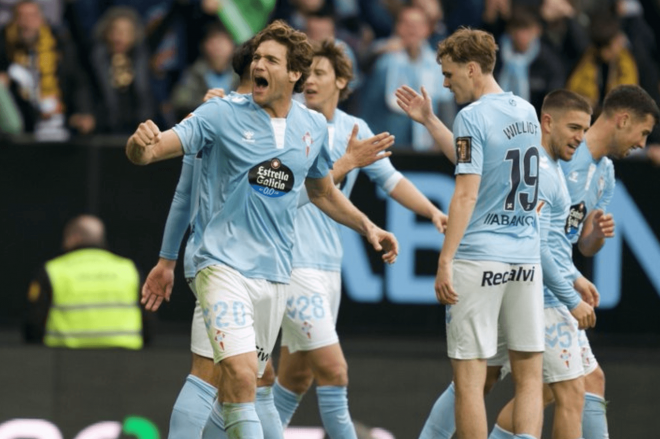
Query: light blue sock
{"type": "Point", "coordinates": [191, 409]}
{"type": "Point", "coordinates": [441, 423]}
{"type": "Point", "coordinates": [523, 436]}
{"type": "Point", "coordinates": [286, 402]}
{"type": "Point", "coordinates": [268, 415]}
{"type": "Point", "coordinates": [594, 421]}
{"type": "Point", "coordinates": [500, 433]}
{"type": "Point", "coordinates": [241, 421]}
{"type": "Point", "coordinates": [333, 406]}
{"type": "Point", "coordinates": [215, 424]}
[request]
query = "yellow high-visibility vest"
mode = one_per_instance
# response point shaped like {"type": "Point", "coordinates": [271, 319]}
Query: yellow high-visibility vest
{"type": "Point", "coordinates": [95, 301]}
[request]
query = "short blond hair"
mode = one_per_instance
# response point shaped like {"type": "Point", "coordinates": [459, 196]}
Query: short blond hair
{"type": "Point", "coordinates": [467, 45]}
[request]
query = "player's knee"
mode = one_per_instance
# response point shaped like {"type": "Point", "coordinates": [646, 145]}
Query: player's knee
{"type": "Point", "coordinates": [333, 374]}
{"type": "Point", "coordinates": [595, 382]}
{"type": "Point", "coordinates": [569, 395]}
{"type": "Point", "coordinates": [239, 381]}
{"type": "Point", "coordinates": [299, 381]}
{"type": "Point", "coordinates": [268, 378]}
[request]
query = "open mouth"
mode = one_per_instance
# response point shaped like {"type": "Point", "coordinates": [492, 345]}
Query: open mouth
{"type": "Point", "coordinates": [309, 92]}
{"type": "Point", "coordinates": [260, 84]}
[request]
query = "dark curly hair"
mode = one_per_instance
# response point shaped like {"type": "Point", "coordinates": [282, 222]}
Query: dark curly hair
{"type": "Point", "coordinates": [341, 63]}
{"type": "Point", "coordinates": [299, 52]}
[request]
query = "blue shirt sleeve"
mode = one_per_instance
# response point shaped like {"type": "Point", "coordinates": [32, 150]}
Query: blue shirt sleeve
{"type": "Point", "coordinates": [381, 172]}
{"type": "Point", "coordinates": [179, 215]}
{"type": "Point", "coordinates": [323, 161]}
{"type": "Point", "coordinates": [200, 128]}
{"type": "Point", "coordinates": [468, 142]}
{"type": "Point", "coordinates": [553, 278]}
{"type": "Point", "coordinates": [608, 190]}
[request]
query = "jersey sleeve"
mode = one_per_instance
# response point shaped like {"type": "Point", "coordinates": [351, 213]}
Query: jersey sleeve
{"type": "Point", "coordinates": [199, 129]}
{"type": "Point", "coordinates": [608, 189]}
{"type": "Point", "coordinates": [381, 172]}
{"type": "Point", "coordinates": [179, 215]}
{"type": "Point", "coordinates": [323, 161]}
{"type": "Point", "coordinates": [468, 141]}
{"type": "Point", "coordinates": [553, 278]}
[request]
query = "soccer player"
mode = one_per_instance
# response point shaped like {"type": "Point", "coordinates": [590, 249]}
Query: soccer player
{"type": "Point", "coordinates": [488, 271]}
{"type": "Point", "coordinates": [565, 116]}
{"type": "Point", "coordinates": [195, 400]}
{"type": "Point", "coordinates": [259, 150]}
{"type": "Point", "coordinates": [628, 117]}
{"type": "Point", "coordinates": [310, 346]}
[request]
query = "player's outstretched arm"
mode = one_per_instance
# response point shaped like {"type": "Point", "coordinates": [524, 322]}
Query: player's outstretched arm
{"type": "Point", "coordinates": [361, 153]}
{"type": "Point", "coordinates": [325, 195]}
{"type": "Point", "coordinates": [597, 227]}
{"type": "Point", "coordinates": [148, 144]}
{"type": "Point", "coordinates": [158, 286]}
{"type": "Point", "coordinates": [460, 211]}
{"type": "Point", "coordinates": [419, 108]}
{"type": "Point", "coordinates": [407, 195]}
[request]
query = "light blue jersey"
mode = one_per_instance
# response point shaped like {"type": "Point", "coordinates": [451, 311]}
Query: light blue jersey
{"type": "Point", "coordinates": [591, 185]}
{"type": "Point", "coordinates": [252, 172]}
{"type": "Point", "coordinates": [499, 138]}
{"type": "Point", "coordinates": [556, 249]}
{"type": "Point", "coordinates": [317, 243]}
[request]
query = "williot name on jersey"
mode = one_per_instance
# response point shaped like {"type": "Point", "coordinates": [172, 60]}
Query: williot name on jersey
{"type": "Point", "coordinates": [271, 178]}
{"type": "Point", "coordinates": [516, 128]}
{"type": "Point", "coordinates": [510, 220]}
{"type": "Point", "coordinates": [515, 275]}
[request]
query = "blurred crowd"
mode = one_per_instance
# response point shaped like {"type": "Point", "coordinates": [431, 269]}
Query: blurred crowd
{"type": "Point", "coordinates": [80, 67]}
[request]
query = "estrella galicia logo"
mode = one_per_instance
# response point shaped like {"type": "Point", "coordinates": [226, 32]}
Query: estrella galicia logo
{"type": "Point", "coordinates": [271, 178]}
{"type": "Point", "coordinates": [575, 217]}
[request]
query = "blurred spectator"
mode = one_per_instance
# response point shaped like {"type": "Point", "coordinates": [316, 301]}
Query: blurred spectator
{"type": "Point", "coordinates": [564, 30]}
{"type": "Point", "coordinates": [46, 81]}
{"type": "Point", "coordinates": [607, 62]}
{"type": "Point", "coordinates": [86, 298]}
{"type": "Point", "coordinates": [53, 11]}
{"type": "Point", "coordinates": [212, 70]}
{"type": "Point", "coordinates": [527, 66]}
{"type": "Point", "coordinates": [10, 118]}
{"type": "Point", "coordinates": [120, 63]}
{"type": "Point", "coordinates": [413, 64]}
{"type": "Point", "coordinates": [435, 16]}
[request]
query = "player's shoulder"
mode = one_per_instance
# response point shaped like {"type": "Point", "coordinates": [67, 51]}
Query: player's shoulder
{"type": "Point", "coordinates": [608, 168]}
{"type": "Point", "coordinates": [307, 115]}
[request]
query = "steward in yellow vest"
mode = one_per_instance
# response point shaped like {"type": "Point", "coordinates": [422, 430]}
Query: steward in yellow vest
{"type": "Point", "coordinates": [88, 297]}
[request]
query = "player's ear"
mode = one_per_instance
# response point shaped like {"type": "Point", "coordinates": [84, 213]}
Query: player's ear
{"type": "Point", "coordinates": [622, 119]}
{"type": "Point", "coordinates": [294, 76]}
{"type": "Point", "coordinates": [341, 83]}
{"type": "Point", "coordinates": [546, 122]}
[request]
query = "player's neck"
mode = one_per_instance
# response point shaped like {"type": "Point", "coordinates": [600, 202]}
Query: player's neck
{"type": "Point", "coordinates": [485, 85]}
{"type": "Point", "coordinates": [328, 110]}
{"type": "Point", "coordinates": [279, 108]}
{"type": "Point", "coordinates": [548, 149]}
{"type": "Point", "coordinates": [598, 138]}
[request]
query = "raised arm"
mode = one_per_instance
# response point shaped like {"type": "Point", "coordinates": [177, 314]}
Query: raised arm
{"type": "Point", "coordinates": [361, 153]}
{"type": "Point", "coordinates": [327, 197]}
{"type": "Point", "coordinates": [148, 144]}
{"type": "Point", "coordinates": [419, 108]}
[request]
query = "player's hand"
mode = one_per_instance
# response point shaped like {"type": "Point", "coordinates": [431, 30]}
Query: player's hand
{"type": "Point", "coordinates": [439, 220]}
{"type": "Point", "coordinates": [385, 242]}
{"type": "Point", "coordinates": [158, 285]}
{"type": "Point", "coordinates": [603, 224]}
{"type": "Point", "coordinates": [361, 153]}
{"type": "Point", "coordinates": [587, 290]}
{"type": "Point", "coordinates": [140, 144]}
{"type": "Point", "coordinates": [214, 93]}
{"type": "Point", "coordinates": [444, 288]}
{"type": "Point", "coordinates": [585, 315]}
{"type": "Point", "coordinates": [417, 107]}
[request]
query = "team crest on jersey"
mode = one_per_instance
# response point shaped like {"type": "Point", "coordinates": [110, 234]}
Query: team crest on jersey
{"type": "Point", "coordinates": [271, 178]}
{"type": "Point", "coordinates": [307, 140]}
{"type": "Point", "coordinates": [576, 215]}
{"type": "Point", "coordinates": [566, 357]}
{"type": "Point", "coordinates": [464, 149]}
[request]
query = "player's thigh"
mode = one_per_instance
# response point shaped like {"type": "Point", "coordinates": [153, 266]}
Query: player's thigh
{"type": "Point", "coordinates": [199, 339]}
{"type": "Point", "coordinates": [472, 323]}
{"type": "Point", "coordinates": [228, 311]}
{"type": "Point", "coordinates": [589, 362]}
{"type": "Point", "coordinates": [499, 365]}
{"type": "Point", "coordinates": [269, 306]}
{"type": "Point", "coordinates": [521, 313]}
{"type": "Point", "coordinates": [309, 320]}
{"type": "Point", "coordinates": [561, 359]}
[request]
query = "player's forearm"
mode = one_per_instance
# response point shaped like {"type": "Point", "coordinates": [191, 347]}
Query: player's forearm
{"type": "Point", "coordinates": [589, 244]}
{"type": "Point", "coordinates": [178, 217]}
{"type": "Point", "coordinates": [406, 194]}
{"type": "Point", "coordinates": [460, 212]}
{"type": "Point", "coordinates": [340, 168]}
{"type": "Point", "coordinates": [334, 204]}
{"type": "Point", "coordinates": [166, 146]}
{"type": "Point", "coordinates": [557, 283]}
{"type": "Point", "coordinates": [442, 136]}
